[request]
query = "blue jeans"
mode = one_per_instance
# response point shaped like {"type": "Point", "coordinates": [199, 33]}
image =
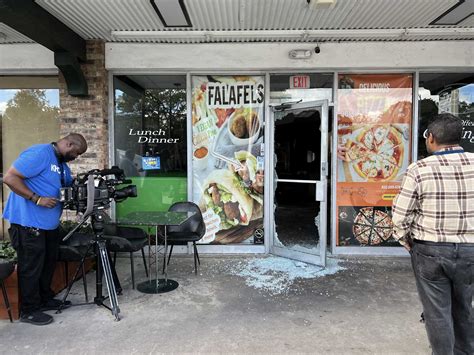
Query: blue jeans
{"type": "Point", "coordinates": [444, 275]}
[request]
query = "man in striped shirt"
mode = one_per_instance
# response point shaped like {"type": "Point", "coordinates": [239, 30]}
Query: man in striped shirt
{"type": "Point", "coordinates": [433, 217]}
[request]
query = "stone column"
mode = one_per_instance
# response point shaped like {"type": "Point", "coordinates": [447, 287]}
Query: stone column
{"type": "Point", "coordinates": [88, 115]}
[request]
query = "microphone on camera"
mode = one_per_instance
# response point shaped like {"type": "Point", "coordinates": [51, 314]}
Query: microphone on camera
{"type": "Point", "coordinates": [115, 170]}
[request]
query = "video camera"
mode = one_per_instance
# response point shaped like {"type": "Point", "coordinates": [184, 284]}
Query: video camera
{"type": "Point", "coordinates": [92, 191]}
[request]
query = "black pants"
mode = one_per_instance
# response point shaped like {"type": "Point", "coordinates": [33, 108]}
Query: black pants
{"type": "Point", "coordinates": [37, 252]}
{"type": "Point", "coordinates": [444, 277]}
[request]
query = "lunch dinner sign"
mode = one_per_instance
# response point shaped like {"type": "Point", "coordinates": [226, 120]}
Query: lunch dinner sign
{"type": "Point", "coordinates": [227, 146]}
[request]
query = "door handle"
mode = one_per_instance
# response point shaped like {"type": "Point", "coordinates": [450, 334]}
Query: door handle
{"type": "Point", "coordinates": [320, 191]}
{"type": "Point", "coordinates": [324, 168]}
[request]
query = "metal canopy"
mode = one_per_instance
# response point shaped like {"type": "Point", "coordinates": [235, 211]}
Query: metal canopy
{"type": "Point", "coordinates": [264, 20]}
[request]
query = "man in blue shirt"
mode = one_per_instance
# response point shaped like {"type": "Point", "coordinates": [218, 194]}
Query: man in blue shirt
{"type": "Point", "coordinates": [34, 211]}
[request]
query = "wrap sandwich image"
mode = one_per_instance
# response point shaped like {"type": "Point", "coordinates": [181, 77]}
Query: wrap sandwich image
{"type": "Point", "coordinates": [249, 177]}
{"type": "Point", "coordinates": [223, 193]}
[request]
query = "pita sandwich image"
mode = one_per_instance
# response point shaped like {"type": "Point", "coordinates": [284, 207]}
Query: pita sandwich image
{"type": "Point", "coordinates": [250, 178]}
{"type": "Point", "coordinates": [223, 193]}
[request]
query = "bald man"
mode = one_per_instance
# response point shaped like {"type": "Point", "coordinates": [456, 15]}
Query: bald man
{"type": "Point", "coordinates": [34, 211]}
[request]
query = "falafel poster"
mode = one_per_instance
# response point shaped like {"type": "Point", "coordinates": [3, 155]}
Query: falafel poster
{"type": "Point", "coordinates": [228, 156]}
{"type": "Point", "coordinates": [374, 150]}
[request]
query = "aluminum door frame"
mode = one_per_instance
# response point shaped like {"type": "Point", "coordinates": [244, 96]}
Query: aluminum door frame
{"type": "Point", "coordinates": [321, 184]}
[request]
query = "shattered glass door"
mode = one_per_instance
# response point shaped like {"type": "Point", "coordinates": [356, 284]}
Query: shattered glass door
{"type": "Point", "coordinates": [300, 161]}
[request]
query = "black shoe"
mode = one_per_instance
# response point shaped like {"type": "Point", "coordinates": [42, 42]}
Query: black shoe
{"type": "Point", "coordinates": [54, 304]}
{"type": "Point", "coordinates": [36, 318]}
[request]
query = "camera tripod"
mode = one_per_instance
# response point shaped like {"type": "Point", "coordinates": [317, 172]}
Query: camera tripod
{"type": "Point", "coordinates": [102, 263]}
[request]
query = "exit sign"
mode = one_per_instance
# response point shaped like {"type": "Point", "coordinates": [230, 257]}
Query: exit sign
{"type": "Point", "coordinates": [299, 82]}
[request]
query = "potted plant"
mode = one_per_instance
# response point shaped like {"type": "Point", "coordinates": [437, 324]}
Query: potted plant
{"type": "Point", "coordinates": [7, 259]}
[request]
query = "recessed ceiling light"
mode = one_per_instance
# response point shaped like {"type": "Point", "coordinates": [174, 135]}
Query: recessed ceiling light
{"type": "Point", "coordinates": [172, 13]}
{"type": "Point", "coordinates": [456, 14]}
{"type": "Point", "coordinates": [322, 3]}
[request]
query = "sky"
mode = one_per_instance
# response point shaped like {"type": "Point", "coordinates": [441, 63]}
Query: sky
{"type": "Point", "coordinates": [466, 93]}
{"type": "Point", "coordinates": [52, 96]}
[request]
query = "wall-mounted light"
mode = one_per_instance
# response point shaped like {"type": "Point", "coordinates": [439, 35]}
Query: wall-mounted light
{"type": "Point", "coordinates": [299, 54]}
{"type": "Point", "coordinates": [172, 13]}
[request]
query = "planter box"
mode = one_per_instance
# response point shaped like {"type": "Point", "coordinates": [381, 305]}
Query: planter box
{"type": "Point", "coordinates": [58, 284]}
{"type": "Point", "coordinates": [11, 284]}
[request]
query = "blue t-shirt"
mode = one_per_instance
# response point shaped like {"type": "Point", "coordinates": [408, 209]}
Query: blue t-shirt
{"type": "Point", "coordinates": [40, 167]}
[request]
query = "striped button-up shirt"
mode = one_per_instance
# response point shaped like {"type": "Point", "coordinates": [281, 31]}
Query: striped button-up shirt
{"type": "Point", "coordinates": [436, 199]}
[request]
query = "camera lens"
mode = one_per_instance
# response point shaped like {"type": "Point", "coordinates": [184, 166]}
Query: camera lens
{"type": "Point", "coordinates": [127, 191]}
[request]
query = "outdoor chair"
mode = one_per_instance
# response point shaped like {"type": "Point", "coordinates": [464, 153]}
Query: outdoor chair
{"type": "Point", "coordinates": [73, 250]}
{"type": "Point", "coordinates": [121, 239]}
{"type": "Point", "coordinates": [191, 230]}
{"type": "Point", "coordinates": [6, 269]}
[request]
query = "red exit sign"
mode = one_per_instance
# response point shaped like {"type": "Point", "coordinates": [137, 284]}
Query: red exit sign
{"type": "Point", "coordinates": [299, 82]}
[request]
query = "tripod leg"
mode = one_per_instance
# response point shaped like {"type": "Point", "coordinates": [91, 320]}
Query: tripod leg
{"type": "Point", "coordinates": [109, 279]}
{"type": "Point", "coordinates": [118, 286]}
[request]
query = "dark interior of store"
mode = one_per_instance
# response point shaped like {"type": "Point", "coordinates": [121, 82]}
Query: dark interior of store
{"type": "Point", "coordinates": [297, 149]}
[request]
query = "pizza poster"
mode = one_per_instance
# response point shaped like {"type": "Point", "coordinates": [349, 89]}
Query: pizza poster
{"type": "Point", "coordinates": [374, 120]}
{"type": "Point", "coordinates": [228, 151]}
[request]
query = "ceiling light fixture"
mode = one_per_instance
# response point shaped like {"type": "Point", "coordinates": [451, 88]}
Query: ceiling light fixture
{"type": "Point", "coordinates": [456, 14]}
{"type": "Point", "coordinates": [172, 13]}
{"type": "Point", "coordinates": [321, 3]}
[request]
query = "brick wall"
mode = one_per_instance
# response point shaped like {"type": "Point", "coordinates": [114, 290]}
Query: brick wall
{"type": "Point", "coordinates": [88, 115]}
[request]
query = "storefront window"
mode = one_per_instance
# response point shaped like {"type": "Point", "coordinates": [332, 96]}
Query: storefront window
{"type": "Point", "coordinates": [29, 112]}
{"type": "Point", "coordinates": [374, 118]}
{"type": "Point", "coordinates": [150, 139]}
{"type": "Point", "coordinates": [446, 92]}
{"type": "Point", "coordinates": [228, 156]}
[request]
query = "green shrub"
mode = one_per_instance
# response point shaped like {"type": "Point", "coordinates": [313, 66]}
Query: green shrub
{"type": "Point", "coordinates": [7, 251]}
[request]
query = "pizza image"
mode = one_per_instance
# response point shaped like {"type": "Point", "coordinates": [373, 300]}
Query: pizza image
{"type": "Point", "coordinates": [376, 154]}
{"type": "Point", "coordinates": [372, 226]}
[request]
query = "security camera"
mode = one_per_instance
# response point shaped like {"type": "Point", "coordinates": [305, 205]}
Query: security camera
{"type": "Point", "coordinates": [317, 50]}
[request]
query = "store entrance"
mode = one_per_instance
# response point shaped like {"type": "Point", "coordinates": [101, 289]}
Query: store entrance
{"type": "Point", "coordinates": [300, 146]}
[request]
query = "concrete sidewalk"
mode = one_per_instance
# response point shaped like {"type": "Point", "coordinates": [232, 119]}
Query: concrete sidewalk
{"type": "Point", "coordinates": [235, 305]}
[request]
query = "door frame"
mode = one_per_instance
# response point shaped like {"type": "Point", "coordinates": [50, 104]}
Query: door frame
{"type": "Point", "coordinates": [321, 185]}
